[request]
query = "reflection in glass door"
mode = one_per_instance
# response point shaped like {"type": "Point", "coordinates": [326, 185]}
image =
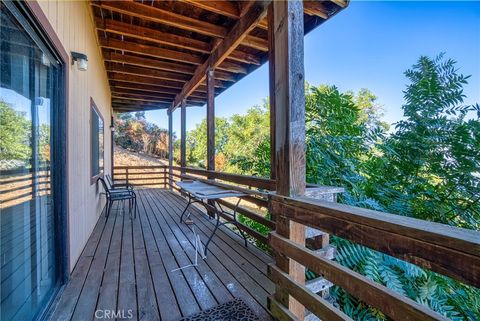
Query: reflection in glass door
{"type": "Point", "coordinates": [28, 96]}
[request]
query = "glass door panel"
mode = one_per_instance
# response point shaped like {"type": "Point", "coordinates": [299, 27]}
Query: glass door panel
{"type": "Point", "coordinates": [27, 223]}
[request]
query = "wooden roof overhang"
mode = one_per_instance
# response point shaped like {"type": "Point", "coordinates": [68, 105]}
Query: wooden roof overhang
{"type": "Point", "coordinates": [157, 53]}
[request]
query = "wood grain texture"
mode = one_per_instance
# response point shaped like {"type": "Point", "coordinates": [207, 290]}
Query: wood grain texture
{"type": "Point", "coordinates": [271, 89]}
{"type": "Point", "coordinates": [170, 145]}
{"type": "Point", "coordinates": [128, 264]}
{"type": "Point", "coordinates": [313, 302]}
{"type": "Point", "coordinates": [391, 303]}
{"type": "Point", "coordinates": [183, 134]}
{"type": "Point", "coordinates": [289, 97]}
{"type": "Point", "coordinates": [152, 51]}
{"type": "Point", "coordinates": [448, 250]}
{"type": "Point", "coordinates": [279, 311]}
{"type": "Point", "coordinates": [289, 132]}
{"type": "Point", "coordinates": [210, 120]}
{"type": "Point", "coordinates": [148, 12]}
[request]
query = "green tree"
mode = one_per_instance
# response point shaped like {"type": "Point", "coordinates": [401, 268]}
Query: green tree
{"type": "Point", "coordinates": [248, 146]}
{"type": "Point", "coordinates": [427, 169]}
{"type": "Point", "coordinates": [430, 165]}
{"type": "Point", "coordinates": [15, 132]}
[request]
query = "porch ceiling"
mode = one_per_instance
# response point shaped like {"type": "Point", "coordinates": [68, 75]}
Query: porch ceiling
{"type": "Point", "coordinates": [156, 53]}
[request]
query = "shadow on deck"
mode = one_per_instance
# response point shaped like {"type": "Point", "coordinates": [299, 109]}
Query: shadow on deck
{"type": "Point", "coordinates": [127, 265]}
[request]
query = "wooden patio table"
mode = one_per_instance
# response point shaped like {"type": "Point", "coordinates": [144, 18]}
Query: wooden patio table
{"type": "Point", "coordinates": [200, 192]}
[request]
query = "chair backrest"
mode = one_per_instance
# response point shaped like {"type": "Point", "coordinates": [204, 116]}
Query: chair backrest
{"type": "Point", "coordinates": [109, 180]}
{"type": "Point", "coordinates": [104, 184]}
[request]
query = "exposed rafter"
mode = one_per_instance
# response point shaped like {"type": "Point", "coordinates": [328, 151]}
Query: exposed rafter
{"type": "Point", "coordinates": [239, 31]}
{"type": "Point", "coordinates": [145, 11]}
{"type": "Point", "coordinates": [160, 51]}
{"type": "Point", "coordinates": [224, 8]}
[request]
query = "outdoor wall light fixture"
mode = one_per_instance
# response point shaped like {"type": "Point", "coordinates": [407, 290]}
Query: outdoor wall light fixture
{"type": "Point", "coordinates": [81, 60]}
{"type": "Point", "coordinates": [112, 128]}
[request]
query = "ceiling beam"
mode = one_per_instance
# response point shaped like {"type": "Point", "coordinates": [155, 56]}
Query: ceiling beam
{"type": "Point", "coordinates": [150, 63]}
{"type": "Point", "coordinates": [154, 35]}
{"type": "Point", "coordinates": [137, 92]}
{"type": "Point", "coordinates": [132, 109]}
{"type": "Point", "coordinates": [239, 31]}
{"type": "Point", "coordinates": [152, 51]}
{"type": "Point", "coordinates": [145, 80]}
{"type": "Point", "coordinates": [126, 97]}
{"type": "Point", "coordinates": [152, 73]}
{"type": "Point", "coordinates": [225, 72]}
{"type": "Point", "coordinates": [146, 72]}
{"type": "Point", "coordinates": [148, 12]}
{"type": "Point", "coordinates": [340, 3]}
{"type": "Point", "coordinates": [232, 66]}
{"type": "Point", "coordinates": [315, 8]}
{"type": "Point", "coordinates": [149, 34]}
{"type": "Point", "coordinates": [151, 81]}
{"type": "Point", "coordinates": [151, 88]}
{"type": "Point", "coordinates": [149, 95]}
{"type": "Point", "coordinates": [162, 65]}
{"type": "Point", "coordinates": [224, 8]}
{"type": "Point", "coordinates": [137, 103]}
{"type": "Point", "coordinates": [244, 57]}
{"type": "Point", "coordinates": [256, 43]}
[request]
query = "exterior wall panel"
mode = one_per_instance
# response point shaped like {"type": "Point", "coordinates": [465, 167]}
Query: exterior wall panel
{"type": "Point", "coordinates": [73, 23]}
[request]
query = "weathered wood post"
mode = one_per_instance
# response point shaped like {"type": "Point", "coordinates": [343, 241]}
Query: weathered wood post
{"type": "Point", "coordinates": [271, 88]}
{"type": "Point", "coordinates": [183, 141]}
{"type": "Point", "coordinates": [210, 125]}
{"type": "Point", "coordinates": [210, 120]}
{"type": "Point", "coordinates": [170, 149]}
{"type": "Point", "coordinates": [289, 98]}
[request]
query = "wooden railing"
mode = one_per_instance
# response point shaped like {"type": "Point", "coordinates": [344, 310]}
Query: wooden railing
{"type": "Point", "coordinates": [20, 185]}
{"type": "Point", "coordinates": [141, 175]}
{"type": "Point", "coordinates": [450, 251]}
{"type": "Point", "coordinates": [447, 250]}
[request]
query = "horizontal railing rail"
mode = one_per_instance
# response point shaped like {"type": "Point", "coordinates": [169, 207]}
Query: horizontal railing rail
{"type": "Point", "coordinates": [22, 184]}
{"type": "Point", "coordinates": [451, 251]}
{"type": "Point", "coordinates": [148, 175]}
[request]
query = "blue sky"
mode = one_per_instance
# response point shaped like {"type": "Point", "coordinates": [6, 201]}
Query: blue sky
{"type": "Point", "coordinates": [368, 45]}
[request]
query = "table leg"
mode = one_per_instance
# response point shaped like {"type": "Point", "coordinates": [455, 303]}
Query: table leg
{"type": "Point", "coordinates": [213, 233]}
{"type": "Point", "coordinates": [188, 205]}
{"type": "Point", "coordinates": [237, 224]}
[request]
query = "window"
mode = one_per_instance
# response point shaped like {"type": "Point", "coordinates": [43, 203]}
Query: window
{"type": "Point", "coordinates": [96, 143]}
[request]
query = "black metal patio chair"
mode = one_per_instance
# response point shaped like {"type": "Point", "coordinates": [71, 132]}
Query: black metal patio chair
{"type": "Point", "coordinates": [119, 194]}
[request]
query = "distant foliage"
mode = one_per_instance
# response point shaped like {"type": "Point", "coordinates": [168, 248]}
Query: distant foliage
{"type": "Point", "coordinates": [133, 132]}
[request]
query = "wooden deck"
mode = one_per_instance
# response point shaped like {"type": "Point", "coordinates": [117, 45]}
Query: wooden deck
{"type": "Point", "coordinates": [127, 265]}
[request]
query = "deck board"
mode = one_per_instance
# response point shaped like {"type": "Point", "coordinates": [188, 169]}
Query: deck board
{"type": "Point", "coordinates": [128, 265]}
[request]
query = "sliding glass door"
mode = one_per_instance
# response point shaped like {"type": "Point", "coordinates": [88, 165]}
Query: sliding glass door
{"type": "Point", "coordinates": [29, 94]}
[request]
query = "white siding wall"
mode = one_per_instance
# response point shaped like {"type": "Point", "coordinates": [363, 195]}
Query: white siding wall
{"type": "Point", "coordinates": [73, 23]}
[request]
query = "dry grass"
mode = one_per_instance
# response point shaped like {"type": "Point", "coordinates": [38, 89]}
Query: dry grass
{"type": "Point", "coordinates": [123, 157]}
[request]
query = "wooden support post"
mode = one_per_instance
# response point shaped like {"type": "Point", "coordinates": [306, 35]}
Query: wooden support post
{"type": "Point", "coordinates": [183, 142]}
{"type": "Point", "coordinates": [165, 177]}
{"type": "Point", "coordinates": [210, 126]}
{"type": "Point", "coordinates": [289, 129]}
{"type": "Point", "coordinates": [210, 120]}
{"type": "Point", "coordinates": [271, 85]}
{"type": "Point", "coordinates": [170, 149]}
